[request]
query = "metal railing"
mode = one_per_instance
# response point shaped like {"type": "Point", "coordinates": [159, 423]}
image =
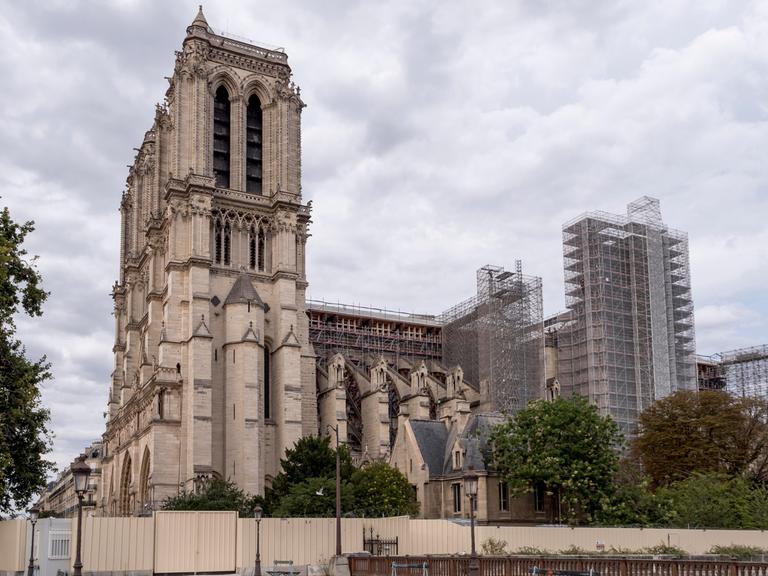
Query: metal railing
{"type": "Point", "coordinates": [523, 565]}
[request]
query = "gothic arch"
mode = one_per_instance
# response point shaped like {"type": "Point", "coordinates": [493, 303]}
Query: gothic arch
{"type": "Point", "coordinates": [125, 487]}
{"type": "Point", "coordinates": [394, 409]}
{"type": "Point", "coordinates": [353, 412]}
{"type": "Point", "coordinates": [145, 496]}
{"type": "Point", "coordinates": [254, 86]}
{"type": "Point", "coordinates": [220, 76]}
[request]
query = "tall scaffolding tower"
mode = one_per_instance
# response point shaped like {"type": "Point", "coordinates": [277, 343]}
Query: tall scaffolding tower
{"type": "Point", "coordinates": [631, 338]}
{"type": "Point", "coordinates": [497, 337]}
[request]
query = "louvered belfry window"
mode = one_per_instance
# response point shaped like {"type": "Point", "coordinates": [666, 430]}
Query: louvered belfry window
{"type": "Point", "coordinates": [221, 143]}
{"type": "Point", "coordinates": [253, 146]}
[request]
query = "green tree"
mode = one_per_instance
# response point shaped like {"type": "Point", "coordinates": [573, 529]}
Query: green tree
{"type": "Point", "coordinates": [710, 500]}
{"type": "Point", "coordinates": [215, 494]}
{"type": "Point", "coordinates": [633, 502]}
{"type": "Point", "coordinates": [564, 445]}
{"type": "Point", "coordinates": [703, 432]}
{"type": "Point", "coordinates": [381, 490]}
{"type": "Point", "coordinates": [24, 434]}
{"type": "Point", "coordinates": [314, 497]}
{"type": "Point", "coordinates": [311, 457]}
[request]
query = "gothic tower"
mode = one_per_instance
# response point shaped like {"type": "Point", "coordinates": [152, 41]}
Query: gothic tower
{"type": "Point", "coordinates": [214, 374]}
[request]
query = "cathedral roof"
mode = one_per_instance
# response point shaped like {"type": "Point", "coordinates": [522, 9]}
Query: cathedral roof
{"type": "Point", "coordinates": [436, 442]}
{"type": "Point", "coordinates": [431, 436]}
{"type": "Point", "coordinates": [243, 292]}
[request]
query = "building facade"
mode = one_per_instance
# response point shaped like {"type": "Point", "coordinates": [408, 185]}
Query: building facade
{"type": "Point", "coordinates": [629, 336]}
{"type": "Point", "coordinates": [59, 498]}
{"type": "Point", "coordinates": [214, 375]}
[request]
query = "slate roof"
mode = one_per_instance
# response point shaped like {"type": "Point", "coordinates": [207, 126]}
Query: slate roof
{"type": "Point", "coordinates": [243, 292]}
{"type": "Point", "coordinates": [431, 436]}
{"type": "Point", "coordinates": [436, 443]}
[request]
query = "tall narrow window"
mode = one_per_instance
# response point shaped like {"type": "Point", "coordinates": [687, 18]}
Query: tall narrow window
{"type": "Point", "coordinates": [262, 245]}
{"type": "Point", "coordinates": [267, 385]}
{"type": "Point", "coordinates": [538, 497]}
{"type": "Point", "coordinates": [227, 244]}
{"type": "Point", "coordinates": [456, 491]}
{"type": "Point", "coordinates": [217, 243]}
{"type": "Point", "coordinates": [221, 137]}
{"type": "Point", "coordinates": [503, 497]}
{"type": "Point", "coordinates": [253, 146]}
{"type": "Point", "coordinates": [252, 248]}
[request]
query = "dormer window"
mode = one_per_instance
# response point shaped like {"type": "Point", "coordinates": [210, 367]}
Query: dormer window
{"type": "Point", "coordinates": [457, 460]}
{"type": "Point", "coordinates": [221, 137]}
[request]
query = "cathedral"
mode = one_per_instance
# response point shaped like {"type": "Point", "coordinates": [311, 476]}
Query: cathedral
{"type": "Point", "coordinates": [214, 374]}
{"type": "Point", "coordinates": [220, 362]}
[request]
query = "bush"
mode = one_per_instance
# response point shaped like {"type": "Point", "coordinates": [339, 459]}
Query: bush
{"type": "Point", "coordinates": [532, 551]}
{"type": "Point", "coordinates": [737, 551]}
{"type": "Point", "coordinates": [573, 550]}
{"type": "Point", "coordinates": [665, 549]}
{"type": "Point", "coordinates": [494, 547]}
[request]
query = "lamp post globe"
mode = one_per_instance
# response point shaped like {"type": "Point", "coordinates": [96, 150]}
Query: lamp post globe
{"type": "Point", "coordinates": [33, 515]}
{"type": "Point", "coordinates": [257, 513]}
{"type": "Point", "coordinates": [470, 489]}
{"type": "Point", "coordinates": [80, 472]}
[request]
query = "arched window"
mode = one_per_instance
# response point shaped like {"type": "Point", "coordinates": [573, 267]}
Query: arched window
{"type": "Point", "coordinates": [227, 241]}
{"type": "Point", "coordinates": [221, 137]}
{"type": "Point", "coordinates": [267, 385]}
{"type": "Point", "coordinates": [217, 244]}
{"type": "Point", "coordinates": [253, 146]}
{"type": "Point", "coordinates": [125, 486]}
{"type": "Point", "coordinates": [144, 491]}
{"type": "Point", "coordinates": [252, 248]}
{"type": "Point", "coordinates": [262, 246]}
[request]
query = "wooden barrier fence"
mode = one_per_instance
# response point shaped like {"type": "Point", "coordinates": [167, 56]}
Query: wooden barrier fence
{"type": "Point", "coordinates": [524, 566]}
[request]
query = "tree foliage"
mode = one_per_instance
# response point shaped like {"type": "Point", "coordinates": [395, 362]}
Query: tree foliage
{"type": "Point", "coordinates": [564, 445]}
{"type": "Point", "coordinates": [24, 434]}
{"type": "Point", "coordinates": [381, 490]}
{"type": "Point", "coordinates": [306, 486]}
{"type": "Point", "coordinates": [633, 502]}
{"type": "Point", "coordinates": [215, 494]}
{"type": "Point", "coordinates": [311, 457]}
{"type": "Point", "coordinates": [703, 432]}
{"type": "Point", "coordinates": [716, 500]}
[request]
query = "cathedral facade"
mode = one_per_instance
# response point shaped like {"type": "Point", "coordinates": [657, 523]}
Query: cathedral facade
{"type": "Point", "coordinates": [214, 375]}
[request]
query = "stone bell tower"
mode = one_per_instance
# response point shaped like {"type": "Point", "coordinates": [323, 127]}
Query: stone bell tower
{"type": "Point", "coordinates": [214, 374]}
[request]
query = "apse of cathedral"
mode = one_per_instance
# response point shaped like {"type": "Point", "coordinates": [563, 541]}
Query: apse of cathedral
{"type": "Point", "coordinates": [220, 363]}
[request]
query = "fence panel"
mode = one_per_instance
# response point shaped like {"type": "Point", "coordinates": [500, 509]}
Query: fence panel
{"type": "Point", "coordinates": [13, 538]}
{"type": "Point", "coordinates": [195, 542]}
{"type": "Point", "coordinates": [116, 544]}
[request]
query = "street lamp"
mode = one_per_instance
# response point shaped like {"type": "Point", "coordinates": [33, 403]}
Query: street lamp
{"type": "Point", "coordinates": [33, 513]}
{"type": "Point", "coordinates": [257, 565]}
{"type": "Point", "coordinates": [80, 473]}
{"type": "Point", "coordinates": [470, 488]}
{"type": "Point", "coordinates": [338, 492]}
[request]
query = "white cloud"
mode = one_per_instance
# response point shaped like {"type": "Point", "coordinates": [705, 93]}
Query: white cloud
{"type": "Point", "coordinates": [439, 137]}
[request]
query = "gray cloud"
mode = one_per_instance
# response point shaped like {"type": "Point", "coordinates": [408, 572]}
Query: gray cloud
{"type": "Point", "coordinates": [439, 137]}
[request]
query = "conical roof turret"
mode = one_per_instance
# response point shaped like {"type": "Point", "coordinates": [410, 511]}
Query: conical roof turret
{"type": "Point", "coordinates": [199, 21]}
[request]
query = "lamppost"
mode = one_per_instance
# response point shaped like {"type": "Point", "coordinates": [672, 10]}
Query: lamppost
{"type": "Point", "coordinates": [338, 492]}
{"type": "Point", "coordinates": [470, 488]}
{"type": "Point", "coordinates": [80, 473]}
{"type": "Point", "coordinates": [33, 513]}
{"type": "Point", "coordinates": [257, 565]}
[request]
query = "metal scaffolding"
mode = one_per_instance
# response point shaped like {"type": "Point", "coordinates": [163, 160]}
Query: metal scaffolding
{"type": "Point", "coordinates": [497, 337]}
{"type": "Point", "coordinates": [627, 285]}
{"type": "Point", "coordinates": [362, 333]}
{"type": "Point", "coordinates": [745, 371]}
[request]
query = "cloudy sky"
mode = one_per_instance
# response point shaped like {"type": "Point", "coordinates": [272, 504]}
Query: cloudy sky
{"type": "Point", "coordinates": [439, 136]}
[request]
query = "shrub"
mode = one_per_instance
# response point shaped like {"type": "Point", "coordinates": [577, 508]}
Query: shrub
{"type": "Point", "coordinates": [494, 547]}
{"type": "Point", "coordinates": [737, 550]}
